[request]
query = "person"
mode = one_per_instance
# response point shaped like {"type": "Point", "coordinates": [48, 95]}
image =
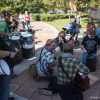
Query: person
{"type": "Point", "coordinates": [4, 25]}
{"type": "Point", "coordinates": [98, 29]}
{"type": "Point", "coordinates": [5, 29]}
{"type": "Point", "coordinates": [46, 61]}
{"type": "Point", "coordinates": [21, 21]}
{"type": "Point", "coordinates": [14, 24]}
{"type": "Point", "coordinates": [78, 18]}
{"type": "Point", "coordinates": [5, 80]}
{"type": "Point", "coordinates": [61, 39]}
{"type": "Point", "coordinates": [90, 25]}
{"type": "Point", "coordinates": [27, 19]}
{"type": "Point", "coordinates": [89, 46]}
{"type": "Point", "coordinates": [66, 89]}
{"type": "Point", "coordinates": [72, 30]}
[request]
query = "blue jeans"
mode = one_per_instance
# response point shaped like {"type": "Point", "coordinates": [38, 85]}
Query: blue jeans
{"type": "Point", "coordinates": [89, 60]}
{"type": "Point", "coordinates": [84, 55]}
{"type": "Point", "coordinates": [5, 87]}
{"type": "Point", "coordinates": [5, 81]}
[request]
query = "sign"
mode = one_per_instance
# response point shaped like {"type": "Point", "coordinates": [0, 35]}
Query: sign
{"type": "Point", "coordinates": [72, 7]}
{"type": "Point", "coordinates": [95, 13]}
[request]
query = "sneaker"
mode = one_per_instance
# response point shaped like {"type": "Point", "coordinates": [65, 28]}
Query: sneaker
{"type": "Point", "coordinates": [14, 76]}
{"type": "Point", "coordinates": [45, 91]}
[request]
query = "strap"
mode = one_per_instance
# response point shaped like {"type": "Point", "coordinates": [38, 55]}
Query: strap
{"type": "Point", "coordinates": [62, 68]}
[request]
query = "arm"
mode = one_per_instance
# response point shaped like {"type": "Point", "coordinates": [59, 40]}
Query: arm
{"type": "Point", "coordinates": [4, 34]}
{"type": "Point", "coordinates": [82, 45]}
{"type": "Point", "coordinates": [4, 54]}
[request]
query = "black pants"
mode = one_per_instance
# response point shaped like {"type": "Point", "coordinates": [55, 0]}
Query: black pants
{"type": "Point", "coordinates": [69, 92]}
{"type": "Point", "coordinates": [66, 92]}
{"type": "Point", "coordinates": [52, 86]}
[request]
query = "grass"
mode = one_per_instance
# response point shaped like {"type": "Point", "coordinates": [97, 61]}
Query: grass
{"type": "Point", "coordinates": [58, 24]}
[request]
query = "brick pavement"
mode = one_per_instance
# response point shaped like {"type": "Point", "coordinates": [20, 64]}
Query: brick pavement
{"type": "Point", "coordinates": [25, 86]}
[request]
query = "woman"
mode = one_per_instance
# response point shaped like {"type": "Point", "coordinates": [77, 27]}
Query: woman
{"type": "Point", "coordinates": [90, 25]}
{"type": "Point", "coordinates": [27, 20]}
{"type": "Point", "coordinates": [46, 61]}
{"type": "Point", "coordinates": [60, 40]}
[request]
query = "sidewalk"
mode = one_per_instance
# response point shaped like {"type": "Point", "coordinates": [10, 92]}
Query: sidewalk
{"type": "Point", "coordinates": [25, 88]}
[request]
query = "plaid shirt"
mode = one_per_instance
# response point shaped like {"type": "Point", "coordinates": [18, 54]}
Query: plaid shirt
{"type": "Point", "coordinates": [71, 66]}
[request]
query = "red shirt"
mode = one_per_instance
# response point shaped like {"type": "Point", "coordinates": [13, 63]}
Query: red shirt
{"type": "Point", "coordinates": [27, 18]}
{"type": "Point", "coordinates": [90, 26]}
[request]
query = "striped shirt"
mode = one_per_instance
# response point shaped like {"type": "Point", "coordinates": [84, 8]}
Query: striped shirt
{"type": "Point", "coordinates": [71, 66]}
{"type": "Point", "coordinates": [46, 59]}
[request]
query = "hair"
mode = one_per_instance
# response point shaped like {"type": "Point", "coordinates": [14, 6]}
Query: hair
{"type": "Point", "coordinates": [67, 48]}
{"type": "Point", "coordinates": [61, 33]}
{"type": "Point", "coordinates": [49, 42]}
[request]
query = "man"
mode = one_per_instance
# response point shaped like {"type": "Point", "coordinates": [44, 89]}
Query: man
{"type": "Point", "coordinates": [89, 45]}
{"type": "Point", "coordinates": [5, 80]}
{"type": "Point", "coordinates": [68, 90]}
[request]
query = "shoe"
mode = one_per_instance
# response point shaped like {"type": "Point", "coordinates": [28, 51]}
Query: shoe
{"type": "Point", "coordinates": [11, 98]}
{"type": "Point", "coordinates": [14, 76]}
{"type": "Point", "coordinates": [45, 91]}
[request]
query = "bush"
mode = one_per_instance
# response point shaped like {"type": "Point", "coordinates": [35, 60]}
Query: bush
{"type": "Point", "coordinates": [51, 17]}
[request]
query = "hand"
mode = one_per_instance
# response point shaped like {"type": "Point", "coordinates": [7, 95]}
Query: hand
{"type": "Point", "coordinates": [12, 55]}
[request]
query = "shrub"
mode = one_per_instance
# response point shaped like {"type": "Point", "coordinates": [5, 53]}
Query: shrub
{"type": "Point", "coordinates": [51, 17]}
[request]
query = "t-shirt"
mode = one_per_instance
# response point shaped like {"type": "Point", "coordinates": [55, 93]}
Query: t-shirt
{"type": "Point", "coordinates": [21, 18]}
{"type": "Point", "coordinates": [3, 26]}
{"type": "Point", "coordinates": [46, 59]}
{"type": "Point", "coordinates": [90, 44]}
{"type": "Point", "coordinates": [27, 18]}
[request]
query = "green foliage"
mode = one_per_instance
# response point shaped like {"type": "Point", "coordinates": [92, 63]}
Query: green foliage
{"type": "Point", "coordinates": [58, 24]}
{"type": "Point", "coordinates": [43, 6]}
{"type": "Point", "coordinates": [51, 17]}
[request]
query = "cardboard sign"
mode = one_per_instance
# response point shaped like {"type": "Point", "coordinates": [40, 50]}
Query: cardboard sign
{"type": "Point", "coordinates": [95, 13]}
{"type": "Point", "coordinates": [72, 7]}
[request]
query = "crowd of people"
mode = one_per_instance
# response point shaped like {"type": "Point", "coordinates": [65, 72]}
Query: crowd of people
{"type": "Point", "coordinates": [24, 19]}
{"type": "Point", "coordinates": [9, 25]}
{"type": "Point", "coordinates": [58, 52]}
{"type": "Point", "coordinates": [59, 82]}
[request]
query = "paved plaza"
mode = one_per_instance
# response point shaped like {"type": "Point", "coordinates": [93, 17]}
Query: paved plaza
{"type": "Point", "coordinates": [24, 87]}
